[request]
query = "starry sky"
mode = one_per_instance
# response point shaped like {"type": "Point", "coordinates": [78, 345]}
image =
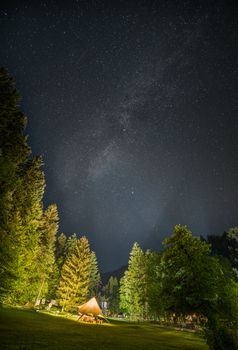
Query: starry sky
{"type": "Point", "coordinates": [133, 105]}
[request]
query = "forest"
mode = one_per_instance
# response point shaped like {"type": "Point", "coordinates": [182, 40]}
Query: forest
{"type": "Point", "coordinates": [192, 281]}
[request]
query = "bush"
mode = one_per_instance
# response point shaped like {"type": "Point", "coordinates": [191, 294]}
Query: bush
{"type": "Point", "coordinates": [221, 338]}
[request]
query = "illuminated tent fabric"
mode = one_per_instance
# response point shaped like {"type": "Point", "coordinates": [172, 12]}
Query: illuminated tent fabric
{"type": "Point", "coordinates": [91, 307]}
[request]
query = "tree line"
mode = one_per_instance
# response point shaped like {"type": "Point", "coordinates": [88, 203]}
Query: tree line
{"type": "Point", "coordinates": [35, 262]}
{"type": "Point", "coordinates": [183, 282]}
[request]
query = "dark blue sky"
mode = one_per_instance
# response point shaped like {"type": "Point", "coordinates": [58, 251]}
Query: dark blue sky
{"type": "Point", "coordinates": [133, 105]}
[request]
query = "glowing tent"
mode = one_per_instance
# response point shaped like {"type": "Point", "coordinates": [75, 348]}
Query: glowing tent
{"type": "Point", "coordinates": [91, 307]}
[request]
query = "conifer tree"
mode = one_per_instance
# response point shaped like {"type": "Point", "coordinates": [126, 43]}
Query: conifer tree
{"type": "Point", "coordinates": [132, 290]}
{"type": "Point", "coordinates": [112, 294]}
{"type": "Point", "coordinates": [75, 275]}
{"type": "Point", "coordinates": [95, 278]}
{"type": "Point", "coordinates": [46, 258]}
{"type": "Point", "coordinates": [154, 307]}
{"type": "Point", "coordinates": [21, 190]}
{"type": "Point", "coordinates": [60, 245]}
{"type": "Point", "coordinates": [25, 231]}
{"type": "Point", "coordinates": [70, 244]}
{"type": "Point", "coordinates": [60, 252]}
{"type": "Point", "coordinates": [22, 186]}
{"type": "Point", "coordinates": [14, 152]}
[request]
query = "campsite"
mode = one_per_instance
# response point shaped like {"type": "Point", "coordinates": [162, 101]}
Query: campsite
{"type": "Point", "coordinates": [24, 329]}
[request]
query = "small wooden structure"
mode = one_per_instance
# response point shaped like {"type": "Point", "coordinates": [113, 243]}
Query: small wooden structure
{"type": "Point", "coordinates": [90, 311]}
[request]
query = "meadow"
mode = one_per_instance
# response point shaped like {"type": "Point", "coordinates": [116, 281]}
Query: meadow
{"type": "Point", "coordinates": [25, 329]}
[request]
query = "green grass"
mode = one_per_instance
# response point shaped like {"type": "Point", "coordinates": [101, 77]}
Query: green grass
{"type": "Point", "coordinates": [22, 329]}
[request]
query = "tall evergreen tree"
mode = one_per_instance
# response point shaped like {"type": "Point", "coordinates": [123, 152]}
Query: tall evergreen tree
{"type": "Point", "coordinates": [14, 152]}
{"type": "Point", "coordinates": [22, 186]}
{"type": "Point", "coordinates": [70, 245]}
{"type": "Point", "coordinates": [46, 258]}
{"type": "Point", "coordinates": [60, 253]}
{"type": "Point", "coordinates": [153, 285]}
{"type": "Point", "coordinates": [75, 275]}
{"type": "Point", "coordinates": [111, 294]}
{"type": "Point", "coordinates": [60, 245]}
{"type": "Point", "coordinates": [133, 290]}
{"type": "Point", "coordinates": [25, 231]}
{"type": "Point", "coordinates": [94, 278]}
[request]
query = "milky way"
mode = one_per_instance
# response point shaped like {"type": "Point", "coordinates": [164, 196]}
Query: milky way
{"type": "Point", "coordinates": [133, 106]}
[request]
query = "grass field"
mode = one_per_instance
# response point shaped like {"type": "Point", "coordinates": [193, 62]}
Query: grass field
{"type": "Point", "coordinates": [21, 329]}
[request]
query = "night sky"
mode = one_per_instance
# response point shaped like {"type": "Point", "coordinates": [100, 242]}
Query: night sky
{"type": "Point", "coordinates": [133, 105]}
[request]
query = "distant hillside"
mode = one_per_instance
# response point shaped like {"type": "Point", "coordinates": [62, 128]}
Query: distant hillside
{"type": "Point", "coordinates": [116, 273]}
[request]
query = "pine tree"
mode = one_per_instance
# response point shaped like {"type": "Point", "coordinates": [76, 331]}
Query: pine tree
{"type": "Point", "coordinates": [60, 245]}
{"type": "Point", "coordinates": [95, 278]}
{"type": "Point", "coordinates": [70, 244]}
{"type": "Point", "coordinates": [14, 152]}
{"type": "Point", "coordinates": [132, 290]}
{"type": "Point", "coordinates": [46, 258]}
{"type": "Point", "coordinates": [60, 253]}
{"type": "Point", "coordinates": [153, 284]}
{"type": "Point", "coordinates": [21, 191]}
{"type": "Point", "coordinates": [112, 294]}
{"type": "Point", "coordinates": [75, 275]}
{"type": "Point", "coordinates": [22, 186]}
{"type": "Point", "coordinates": [25, 231]}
